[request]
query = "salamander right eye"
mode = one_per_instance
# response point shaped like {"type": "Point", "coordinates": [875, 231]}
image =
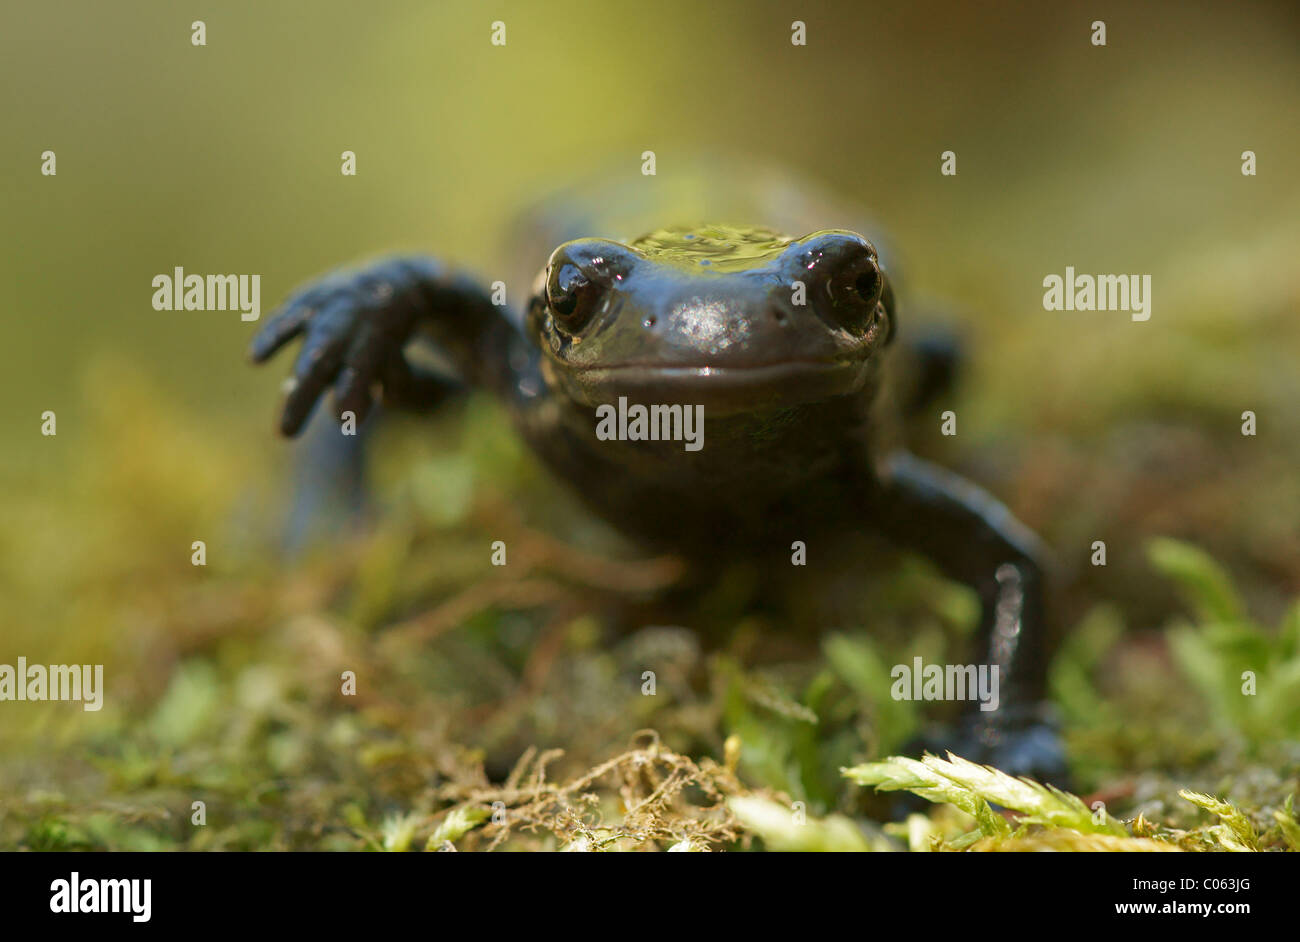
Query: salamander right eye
{"type": "Point", "coordinates": [570, 295]}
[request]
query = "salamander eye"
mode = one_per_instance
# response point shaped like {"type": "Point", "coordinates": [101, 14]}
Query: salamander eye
{"type": "Point", "coordinates": [844, 275]}
{"type": "Point", "coordinates": [855, 291]}
{"type": "Point", "coordinates": [867, 284]}
{"type": "Point", "coordinates": [570, 295]}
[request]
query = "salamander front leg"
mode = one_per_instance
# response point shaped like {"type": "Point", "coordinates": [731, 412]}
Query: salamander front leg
{"type": "Point", "coordinates": [976, 540]}
{"type": "Point", "coordinates": [362, 331]}
{"type": "Point", "coordinates": [356, 325]}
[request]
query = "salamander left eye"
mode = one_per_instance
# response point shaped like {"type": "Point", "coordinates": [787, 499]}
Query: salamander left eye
{"type": "Point", "coordinates": [855, 291]}
{"type": "Point", "coordinates": [867, 284]}
{"type": "Point", "coordinates": [844, 276]}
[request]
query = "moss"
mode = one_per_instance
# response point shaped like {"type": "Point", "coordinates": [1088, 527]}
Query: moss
{"type": "Point", "coordinates": [503, 708]}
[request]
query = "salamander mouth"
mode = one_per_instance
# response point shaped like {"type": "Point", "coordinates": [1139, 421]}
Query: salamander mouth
{"type": "Point", "coordinates": [722, 390]}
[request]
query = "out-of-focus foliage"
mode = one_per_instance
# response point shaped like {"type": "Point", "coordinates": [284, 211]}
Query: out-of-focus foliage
{"type": "Point", "coordinates": [1249, 677]}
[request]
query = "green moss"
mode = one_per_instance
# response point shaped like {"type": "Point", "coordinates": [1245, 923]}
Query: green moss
{"type": "Point", "coordinates": [502, 708]}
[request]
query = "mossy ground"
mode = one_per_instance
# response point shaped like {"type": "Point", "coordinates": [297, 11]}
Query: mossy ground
{"type": "Point", "coordinates": [505, 708]}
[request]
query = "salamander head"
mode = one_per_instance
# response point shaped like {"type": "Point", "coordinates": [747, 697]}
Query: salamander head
{"type": "Point", "coordinates": [732, 318]}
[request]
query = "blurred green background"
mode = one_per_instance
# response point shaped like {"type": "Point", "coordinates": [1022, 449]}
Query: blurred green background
{"type": "Point", "coordinates": [225, 158]}
{"type": "Point", "coordinates": [1117, 159]}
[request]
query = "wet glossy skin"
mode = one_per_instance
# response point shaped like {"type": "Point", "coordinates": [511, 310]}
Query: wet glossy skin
{"type": "Point", "coordinates": [705, 316]}
{"type": "Point", "coordinates": [709, 317]}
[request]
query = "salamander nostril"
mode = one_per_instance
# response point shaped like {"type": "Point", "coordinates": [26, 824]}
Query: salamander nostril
{"type": "Point", "coordinates": [778, 315]}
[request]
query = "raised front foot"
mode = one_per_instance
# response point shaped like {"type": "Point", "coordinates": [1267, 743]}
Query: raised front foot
{"type": "Point", "coordinates": [354, 325]}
